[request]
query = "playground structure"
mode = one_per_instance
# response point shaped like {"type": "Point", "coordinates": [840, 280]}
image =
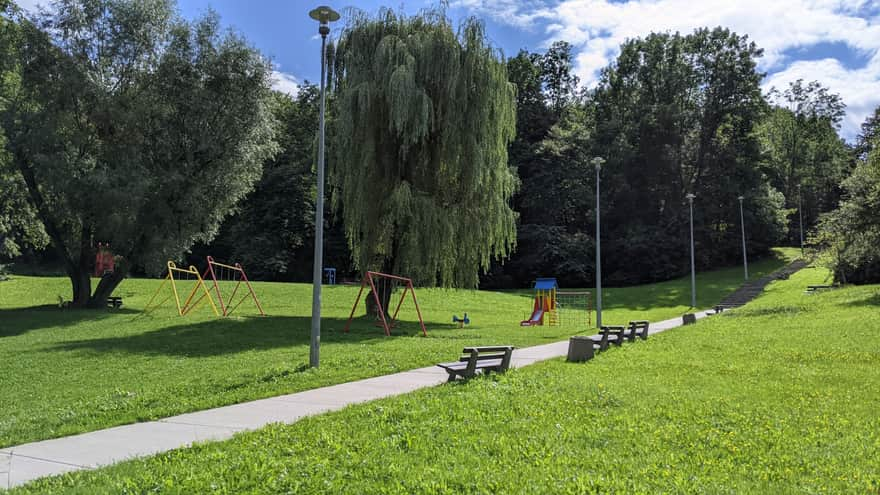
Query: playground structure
{"type": "Point", "coordinates": [575, 308]}
{"type": "Point", "coordinates": [387, 283]}
{"type": "Point", "coordinates": [461, 321]}
{"type": "Point", "coordinates": [545, 307]}
{"type": "Point", "coordinates": [189, 304]}
{"type": "Point", "coordinates": [217, 274]}
{"type": "Point", "coordinates": [104, 261]}
{"type": "Point", "coordinates": [236, 275]}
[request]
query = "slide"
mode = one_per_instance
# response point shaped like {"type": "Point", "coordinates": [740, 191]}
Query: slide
{"type": "Point", "coordinates": [535, 319]}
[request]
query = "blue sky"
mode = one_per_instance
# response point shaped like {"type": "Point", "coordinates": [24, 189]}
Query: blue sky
{"type": "Point", "coordinates": [836, 42]}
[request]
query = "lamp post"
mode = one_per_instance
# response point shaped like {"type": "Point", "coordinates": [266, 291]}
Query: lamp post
{"type": "Point", "coordinates": [690, 198]}
{"type": "Point", "coordinates": [597, 162]}
{"type": "Point", "coordinates": [324, 15]}
{"type": "Point", "coordinates": [742, 224]}
{"type": "Point", "coordinates": [801, 218]}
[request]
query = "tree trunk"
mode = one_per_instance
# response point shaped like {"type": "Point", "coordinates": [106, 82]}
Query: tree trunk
{"type": "Point", "coordinates": [105, 288]}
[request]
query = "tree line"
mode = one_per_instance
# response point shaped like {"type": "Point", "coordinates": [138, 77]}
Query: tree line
{"type": "Point", "coordinates": [122, 123]}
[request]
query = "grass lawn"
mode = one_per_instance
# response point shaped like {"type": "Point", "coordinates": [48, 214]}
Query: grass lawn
{"type": "Point", "coordinates": [66, 371]}
{"type": "Point", "coordinates": [780, 396]}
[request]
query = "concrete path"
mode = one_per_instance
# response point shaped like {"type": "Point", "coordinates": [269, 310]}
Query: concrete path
{"type": "Point", "coordinates": [27, 462]}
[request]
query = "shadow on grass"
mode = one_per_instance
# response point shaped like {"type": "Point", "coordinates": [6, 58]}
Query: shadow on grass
{"type": "Point", "coordinates": [872, 300]}
{"type": "Point", "coordinates": [22, 320]}
{"type": "Point", "coordinates": [230, 336]}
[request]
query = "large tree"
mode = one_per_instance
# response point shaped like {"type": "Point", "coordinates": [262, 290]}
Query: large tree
{"type": "Point", "coordinates": [423, 119]}
{"type": "Point", "coordinates": [18, 223]}
{"type": "Point", "coordinates": [131, 126]}
{"type": "Point", "coordinates": [676, 115]}
{"type": "Point", "coordinates": [803, 155]}
{"type": "Point", "coordinates": [852, 231]}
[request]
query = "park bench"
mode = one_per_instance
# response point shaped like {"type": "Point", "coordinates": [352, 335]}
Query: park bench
{"type": "Point", "coordinates": [114, 302]}
{"type": "Point", "coordinates": [493, 358]}
{"type": "Point", "coordinates": [815, 288]}
{"type": "Point", "coordinates": [615, 333]}
{"type": "Point", "coordinates": [638, 328]}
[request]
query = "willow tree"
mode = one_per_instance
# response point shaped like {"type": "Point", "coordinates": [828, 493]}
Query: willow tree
{"type": "Point", "coordinates": [424, 115]}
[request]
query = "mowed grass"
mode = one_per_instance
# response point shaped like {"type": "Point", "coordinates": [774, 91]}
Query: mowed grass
{"type": "Point", "coordinates": [779, 397]}
{"type": "Point", "coordinates": [70, 371]}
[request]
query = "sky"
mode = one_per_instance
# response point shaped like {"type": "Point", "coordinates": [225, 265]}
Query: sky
{"type": "Point", "coordinates": [836, 42]}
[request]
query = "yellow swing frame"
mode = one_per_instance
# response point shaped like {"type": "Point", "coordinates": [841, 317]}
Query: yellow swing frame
{"type": "Point", "coordinates": [189, 304]}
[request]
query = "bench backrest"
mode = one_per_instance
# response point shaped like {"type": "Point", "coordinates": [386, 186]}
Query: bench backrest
{"type": "Point", "coordinates": [474, 354]}
{"type": "Point", "coordinates": [639, 326]}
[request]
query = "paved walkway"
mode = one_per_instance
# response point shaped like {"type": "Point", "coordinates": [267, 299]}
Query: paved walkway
{"type": "Point", "coordinates": [27, 462]}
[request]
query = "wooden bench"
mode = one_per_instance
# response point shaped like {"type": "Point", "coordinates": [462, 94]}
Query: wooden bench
{"type": "Point", "coordinates": [494, 358]}
{"type": "Point", "coordinates": [638, 328]}
{"type": "Point", "coordinates": [816, 288]}
{"type": "Point", "coordinates": [114, 302]}
{"type": "Point", "coordinates": [615, 333]}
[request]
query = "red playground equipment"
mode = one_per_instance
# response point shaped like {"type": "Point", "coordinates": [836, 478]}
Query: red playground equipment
{"type": "Point", "coordinates": [104, 262]}
{"type": "Point", "coordinates": [545, 304]}
{"type": "Point", "coordinates": [234, 274]}
{"type": "Point", "coordinates": [375, 279]}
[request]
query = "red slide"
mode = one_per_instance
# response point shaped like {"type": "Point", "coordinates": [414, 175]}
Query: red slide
{"type": "Point", "coordinates": [535, 319]}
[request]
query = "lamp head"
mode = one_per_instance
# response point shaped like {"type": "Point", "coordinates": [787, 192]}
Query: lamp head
{"type": "Point", "coordinates": [740, 198]}
{"type": "Point", "coordinates": [324, 15]}
{"type": "Point", "coordinates": [690, 197]}
{"type": "Point", "coordinates": [597, 162]}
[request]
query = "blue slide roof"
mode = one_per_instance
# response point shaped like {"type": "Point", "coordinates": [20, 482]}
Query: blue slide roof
{"type": "Point", "coordinates": [546, 283]}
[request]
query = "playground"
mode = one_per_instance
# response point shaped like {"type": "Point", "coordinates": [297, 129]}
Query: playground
{"type": "Point", "coordinates": [605, 426]}
{"type": "Point", "coordinates": [88, 370]}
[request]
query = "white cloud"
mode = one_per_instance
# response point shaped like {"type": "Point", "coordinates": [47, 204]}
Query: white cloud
{"type": "Point", "coordinates": [519, 13]}
{"type": "Point", "coordinates": [598, 27]}
{"type": "Point", "coordinates": [859, 88]}
{"type": "Point", "coordinates": [286, 83]}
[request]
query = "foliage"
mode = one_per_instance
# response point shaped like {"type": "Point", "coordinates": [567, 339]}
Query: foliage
{"type": "Point", "coordinates": [133, 127]}
{"type": "Point", "coordinates": [852, 231]}
{"type": "Point", "coordinates": [87, 370]}
{"type": "Point", "coordinates": [869, 136]}
{"type": "Point", "coordinates": [756, 408]}
{"type": "Point", "coordinates": [557, 76]}
{"type": "Point", "coordinates": [802, 153]}
{"type": "Point", "coordinates": [676, 115]}
{"type": "Point", "coordinates": [545, 242]}
{"type": "Point", "coordinates": [19, 226]}
{"type": "Point", "coordinates": [423, 120]}
{"type": "Point", "coordinates": [274, 222]}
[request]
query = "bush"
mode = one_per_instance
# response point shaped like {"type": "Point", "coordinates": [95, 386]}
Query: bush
{"type": "Point", "coordinates": [852, 232]}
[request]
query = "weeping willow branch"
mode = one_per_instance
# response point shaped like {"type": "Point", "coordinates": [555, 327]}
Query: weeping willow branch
{"type": "Point", "coordinates": [424, 116]}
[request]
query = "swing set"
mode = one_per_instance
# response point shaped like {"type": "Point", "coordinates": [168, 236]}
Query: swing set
{"type": "Point", "coordinates": [232, 274]}
{"type": "Point", "coordinates": [388, 284]}
{"type": "Point", "coordinates": [218, 274]}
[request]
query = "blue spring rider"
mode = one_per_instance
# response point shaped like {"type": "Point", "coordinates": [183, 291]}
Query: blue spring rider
{"type": "Point", "coordinates": [461, 321]}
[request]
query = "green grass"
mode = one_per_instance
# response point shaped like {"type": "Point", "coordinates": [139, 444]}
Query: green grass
{"type": "Point", "coordinates": [778, 397]}
{"type": "Point", "coordinates": [67, 371]}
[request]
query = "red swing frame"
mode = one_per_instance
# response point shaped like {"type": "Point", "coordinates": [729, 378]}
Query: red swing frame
{"type": "Point", "coordinates": [242, 278]}
{"type": "Point", "coordinates": [408, 286]}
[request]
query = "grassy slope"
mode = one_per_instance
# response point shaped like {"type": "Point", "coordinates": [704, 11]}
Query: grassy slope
{"type": "Point", "coordinates": [66, 372]}
{"type": "Point", "coordinates": [778, 397]}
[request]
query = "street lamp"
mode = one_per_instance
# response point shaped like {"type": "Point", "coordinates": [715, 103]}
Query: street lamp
{"type": "Point", "coordinates": [690, 198]}
{"type": "Point", "coordinates": [598, 162]}
{"type": "Point", "coordinates": [742, 224]}
{"type": "Point", "coordinates": [324, 15]}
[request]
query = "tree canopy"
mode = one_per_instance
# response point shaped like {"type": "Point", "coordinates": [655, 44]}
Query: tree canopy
{"type": "Point", "coordinates": [802, 153]}
{"type": "Point", "coordinates": [131, 126]}
{"type": "Point", "coordinates": [424, 115]}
